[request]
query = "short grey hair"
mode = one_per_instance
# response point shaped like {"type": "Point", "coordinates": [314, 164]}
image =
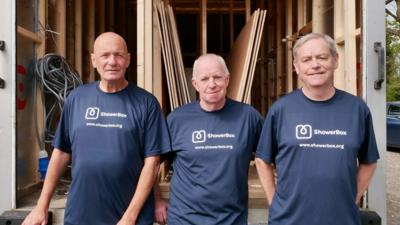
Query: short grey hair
{"type": "Point", "coordinates": [331, 43]}
{"type": "Point", "coordinates": [219, 58]}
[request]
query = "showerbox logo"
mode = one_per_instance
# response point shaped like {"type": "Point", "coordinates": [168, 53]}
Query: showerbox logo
{"type": "Point", "coordinates": [303, 131]}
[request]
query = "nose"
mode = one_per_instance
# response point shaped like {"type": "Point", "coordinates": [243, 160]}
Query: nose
{"type": "Point", "coordinates": [315, 63]}
{"type": "Point", "coordinates": [111, 60]}
{"type": "Point", "coordinates": [211, 83]}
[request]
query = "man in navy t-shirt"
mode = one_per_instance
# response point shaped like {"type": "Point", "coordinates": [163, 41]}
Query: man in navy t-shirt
{"type": "Point", "coordinates": [321, 142]}
{"type": "Point", "coordinates": [114, 132]}
{"type": "Point", "coordinates": [212, 140]}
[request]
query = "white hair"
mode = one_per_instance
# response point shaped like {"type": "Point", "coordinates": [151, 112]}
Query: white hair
{"type": "Point", "coordinates": [219, 58]}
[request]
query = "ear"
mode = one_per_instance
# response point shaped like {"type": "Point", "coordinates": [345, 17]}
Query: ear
{"type": "Point", "coordinates": [194, 84]}
{"type": "Point", "coordinates": [227, 80]}
{"type": "Point", "coordinates": [128, 58]}
{"type": "Point", "coordinates": [296, 66]}
{"type": "Point", "coordinates": [93, 58]}
{"type": "Point", "coordinates": [336, 61]}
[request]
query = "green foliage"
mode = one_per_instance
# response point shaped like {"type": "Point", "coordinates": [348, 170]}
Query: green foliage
{"type": "Point", "coordinates": [392, 62]}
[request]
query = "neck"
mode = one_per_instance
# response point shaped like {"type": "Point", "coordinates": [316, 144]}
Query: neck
{"type": "Point", "coordinates": [112, 87]}
{"type": "Point", "coordinates": [213, 106]}
{"type": "Point", "coordinates": [319, 94]}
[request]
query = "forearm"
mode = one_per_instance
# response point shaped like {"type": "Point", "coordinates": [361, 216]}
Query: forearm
{"type": "Point", "coordinates": [267, 179]}
{"type": "Point", "coordinates": [57, 165]}
{"type": "Point", "coordinates": [364, 175]}
{"type": "Point", "coordinates": [143, 188]}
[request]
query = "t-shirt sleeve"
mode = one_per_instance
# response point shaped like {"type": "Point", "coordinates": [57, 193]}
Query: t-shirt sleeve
{"type": "Point", "coordinates": [62, 139]}
{"type": "Point", "coordinates": [258, 124]}
{"type": "Point", "coordinates": [267, 145]}
{"type": "Point", "coordinates": [156, 138]}
{"type": "Point", "coordinates": [368, 152]}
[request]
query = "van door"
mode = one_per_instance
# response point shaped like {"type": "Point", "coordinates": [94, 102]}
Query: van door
{"type": "Point", "coordinates": [374, 93]}
{"type": "Point", "coordinates": [7, 108]}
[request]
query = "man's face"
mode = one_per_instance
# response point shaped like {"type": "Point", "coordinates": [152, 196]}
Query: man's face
{"type": "Point", "coordinates": [314, 64]}
{"type": "Point", "coordinates": [110, 58]}
{"type": "Point", "coordinates": [210, 81]}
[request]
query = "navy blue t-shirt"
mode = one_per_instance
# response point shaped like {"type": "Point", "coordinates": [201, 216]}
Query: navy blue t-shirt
{"type": "Point", "coordinates": [315, 147]}
{"type": "Point", "coordinates": [109, 135]}
{"type": "Point", "coordinates": [211, 161]}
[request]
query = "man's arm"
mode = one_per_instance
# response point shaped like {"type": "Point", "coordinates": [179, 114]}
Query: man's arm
{"type": "Point", "coordinates": [145, 183]}
{"type": "Point", "coordinates": [364, 175]}
{"type": "Point", "coordinates": [266, 176]}
{"type": "Point", "coordinates": [160, 205]}
{"type": "Point", "coordinates": [57, 165]}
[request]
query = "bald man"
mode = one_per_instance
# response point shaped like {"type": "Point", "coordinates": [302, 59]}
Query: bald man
{"type": "Point", "coordinates": [114, 132]}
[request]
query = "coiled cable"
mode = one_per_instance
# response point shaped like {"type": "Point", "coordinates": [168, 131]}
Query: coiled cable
{"type": "Point", "coordinates": [57, 79]}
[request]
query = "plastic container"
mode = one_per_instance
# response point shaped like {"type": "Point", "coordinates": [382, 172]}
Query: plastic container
{"type": "Point", "coordinates": [43, 163]}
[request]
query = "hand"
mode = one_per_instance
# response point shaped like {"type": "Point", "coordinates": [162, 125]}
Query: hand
{"type": "Point", "coordinates": [37, 216]}
{"type": "Point", "coordinates": [125, 220]}
{"type": "Point", "coordinates": [160, 211]}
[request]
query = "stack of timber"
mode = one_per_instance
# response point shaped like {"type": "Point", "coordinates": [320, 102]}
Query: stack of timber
{"type": "Point", "coordinates": [172, 56]}
{"type": "Point", "coordinates": [242, 59]}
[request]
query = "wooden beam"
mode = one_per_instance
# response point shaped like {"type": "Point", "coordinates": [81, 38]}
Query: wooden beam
{"type": "Point", "coordinates": [41, 47]}
{"type": "Point", "coordinates": [111, 16]}
{"type": "Point", "coordinates": [78, 36]}
{"type": "Point", "coordinates": [289, 45]}
{"type": "Point", "coordinates": [157, 70]}
{"type": "Point", "coordinates": [100, 17]}
{"type": "Point", "coordinates": [29, 35]}
{"type": "Point", "coordinates": [350, 46]}
{"type": "Point", "coordinates": [318, 16]}
{"type": "Point", "coordinates": [88, 73]}
{"type": "Point", "coordinates": [231, 25]}
{"type": "Point", "coordinates": [248, 9]}
{"type": "Point", "coordinates": [279, 51]}
{"type": "Point", "coordinates": [61, 24]}
{"type": "Point", "coordinates": [203, 24]}
{"type": "Point", "coordinates": [339, 24]}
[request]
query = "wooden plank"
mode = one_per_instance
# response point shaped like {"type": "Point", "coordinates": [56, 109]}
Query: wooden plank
{"type": "Point", "coordinates": [254, 58]}
{"type": "Point", "coordinates": [163, 49]}
{"type": "Point", "coordinates": [203, 24]}
{"type": "Point", "coordinates": [350, 47]}
{"type": "Point", "coordinates": [181, 67]}
{"type": "Point", "coordinates": [78, 36]}
{"type": "Point", "coordinates": [279, 84]}
{"type": "Point", "coordinates": [231, 25]}
{"type": "Point", "coordinates": [157, 62]}
{"type": "Point", "coordinates": [175, 76]}
{"type": "Point", "coordinates": [100, 16]}
{"type": "Point", "coordinates": [89, 34]}
{"type": "Point", "coordinates": [140, 35]}
{"type": "Point", "coordinates": [239, 57]}
{"type": "Point", "coordinates": [34, 37]}
{"type": "Point", "coordinates": [41, 47]}
{"type": "Point", "coordinates": [61, 24]}
{"type": "Point", "coordinates": [289, 45]}
{"type": "Point", "coordinates": [339, 24]}
{"type": "Point", "coordinates": [318, 15]}
{"type": "Point", "coordinates": [148, 45]}
{"type": "Point", "coordinates": [248, 9]}
{"type": "Point", "coordinates": [168, 56]}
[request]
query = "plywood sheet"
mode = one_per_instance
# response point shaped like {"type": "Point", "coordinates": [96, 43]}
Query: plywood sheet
{"type": "Point", "coordinates": [239, 57]}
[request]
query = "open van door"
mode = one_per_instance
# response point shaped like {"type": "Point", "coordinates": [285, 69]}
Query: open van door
{"type": "Point", "coordinates": [7, 108]}
{"type": "Point", "coordinates": [374, 93]}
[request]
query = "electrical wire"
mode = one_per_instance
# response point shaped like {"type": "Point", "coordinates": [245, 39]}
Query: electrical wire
{"type": "Point", "coordinates": [57, 79]}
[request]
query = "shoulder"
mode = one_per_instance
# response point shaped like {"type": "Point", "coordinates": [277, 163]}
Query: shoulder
{"type": "Point", "coordinates": [287, 100]}
{"type": "Point", "coordinates": [142, 97]}
{"type": "Point", "coordinates": [186, 109]}
{"type": "Point", "coordinates": [237, 106]}
{"type": "Point", "coordinates": [352, 101]}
